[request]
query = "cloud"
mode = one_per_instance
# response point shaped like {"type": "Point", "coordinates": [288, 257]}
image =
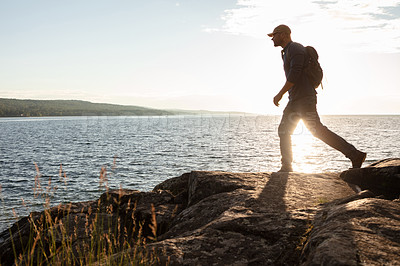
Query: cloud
{"type": "Point", "coordinates": [362, 25]}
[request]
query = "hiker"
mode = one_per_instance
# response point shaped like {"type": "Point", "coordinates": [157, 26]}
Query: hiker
{"type": "Point", "coordinates": [303, 103]}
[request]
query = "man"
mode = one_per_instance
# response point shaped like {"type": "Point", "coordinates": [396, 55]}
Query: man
{"type": "Point", "coordinates": [303, 103]}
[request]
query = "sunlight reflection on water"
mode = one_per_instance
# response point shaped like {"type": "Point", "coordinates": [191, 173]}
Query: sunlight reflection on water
{"type": "Point", "coordinates": [305, 150]}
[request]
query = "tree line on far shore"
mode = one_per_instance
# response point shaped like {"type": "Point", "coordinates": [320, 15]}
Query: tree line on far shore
{"type": "Point", "coordinates": [37, 108]}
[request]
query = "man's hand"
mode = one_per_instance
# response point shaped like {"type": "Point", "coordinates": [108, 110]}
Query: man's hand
{"type": "Point", "coordinates": [285, 88]}
{"type": "Point", "coordinates": [277, 98]}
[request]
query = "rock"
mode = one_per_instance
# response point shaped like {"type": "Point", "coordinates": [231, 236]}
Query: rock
{"type": "Point", "coordinates": [361, 195]}
{"type": "Point", "coordinates": [365, 231]}
{"type": "Point", "coordinates": [204, 184]}
{"type": "Point", "coordinates": [175, 185]}
{"type": "Point", "coordinates": [178, 187]}
{"type": "Point", "coordinates": [206, 218]}
{"type": "Point", "coordinates": [245, 218]}
{"type": "Point", "coordinates": [381, 178]}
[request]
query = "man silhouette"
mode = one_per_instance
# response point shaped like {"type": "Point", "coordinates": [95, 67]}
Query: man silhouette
{"type": "Point", "coordinates": [303, 103]}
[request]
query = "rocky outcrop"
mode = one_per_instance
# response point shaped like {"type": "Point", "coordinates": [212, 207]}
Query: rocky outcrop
{"type": "Point", "coordinates": [382, 178]}
{"type": "Point", "coordinates": [242, 218]}
{"type": "Point", "coordinates": [221, 218]}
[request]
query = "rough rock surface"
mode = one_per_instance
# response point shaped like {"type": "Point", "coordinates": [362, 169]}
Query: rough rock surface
{"type": "Point", "coordinates": [247, 218]}
{"type": "Point", "coordinates": [361, 232]}
{"type": "Point", "coordinates": [382, 178]}
{"type": "Point", "coordinates": [221, 218]}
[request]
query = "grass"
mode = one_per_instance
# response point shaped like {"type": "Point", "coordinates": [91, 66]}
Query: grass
{"type": "Point", "coordinates": [303, 239]}
{"type": "Point", "coordinates": [322, 200]}
{"type": "Point", "coordinates": [93, 233]}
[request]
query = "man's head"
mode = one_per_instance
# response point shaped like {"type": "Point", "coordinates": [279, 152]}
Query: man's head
{"type": "Point", "coordinates": [281, 36]}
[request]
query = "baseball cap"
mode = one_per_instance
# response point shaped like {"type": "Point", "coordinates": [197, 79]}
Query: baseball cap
{"type": "Point", "coordinates": [279, 29]}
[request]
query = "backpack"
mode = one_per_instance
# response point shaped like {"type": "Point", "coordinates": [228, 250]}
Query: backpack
{"type": "Point", "coordinates": [312, 68]}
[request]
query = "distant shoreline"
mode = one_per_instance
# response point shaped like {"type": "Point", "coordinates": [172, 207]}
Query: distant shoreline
{"type": "Point", "coordinates": [14, 108]}
{"type": "Point", "coordinates": [59, 108]}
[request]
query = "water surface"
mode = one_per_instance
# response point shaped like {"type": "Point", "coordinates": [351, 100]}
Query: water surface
{"type": "Point", "coordinates": [140, 152]}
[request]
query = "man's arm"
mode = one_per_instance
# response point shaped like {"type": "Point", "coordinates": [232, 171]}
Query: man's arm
{"type": "Point", "coordinates": [280, 94]}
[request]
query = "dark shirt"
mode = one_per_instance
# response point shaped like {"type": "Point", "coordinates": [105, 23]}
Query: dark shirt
{"type": "Point", "coordinates": [294, 57]}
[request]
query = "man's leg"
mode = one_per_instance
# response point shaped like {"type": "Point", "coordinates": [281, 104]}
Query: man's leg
{"type": "Point", "coordinates": [312, 121]}
{"type": "Point", "coordinates": [289, 121]}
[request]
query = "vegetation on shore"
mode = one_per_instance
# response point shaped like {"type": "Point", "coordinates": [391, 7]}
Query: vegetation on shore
{"type": "Point", "coordinates": [28, 108]}
{"type": "Point", "coordinates": [38, 108]}
{"type": "Point", "coordinates": [86, 233]}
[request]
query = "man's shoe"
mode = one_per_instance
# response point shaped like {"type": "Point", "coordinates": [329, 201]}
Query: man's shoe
{"type": "Point", "coordinates": [358, 158]}
{"type": "Point", "coordinates": [286, 169]}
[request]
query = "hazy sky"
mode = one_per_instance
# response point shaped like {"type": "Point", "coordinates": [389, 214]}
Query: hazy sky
{"type": "Point", "coordinates": [192, 54]}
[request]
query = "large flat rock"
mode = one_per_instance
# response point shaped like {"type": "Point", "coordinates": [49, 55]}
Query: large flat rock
{"type": "Point", "coordinates": [246, 218]}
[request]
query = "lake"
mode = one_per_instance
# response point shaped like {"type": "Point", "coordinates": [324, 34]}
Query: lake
{"type": "Point", "coordinates": [63, 156]}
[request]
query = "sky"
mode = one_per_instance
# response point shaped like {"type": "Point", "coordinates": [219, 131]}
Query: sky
{"type": "Point", "coordinates": [191, 54]}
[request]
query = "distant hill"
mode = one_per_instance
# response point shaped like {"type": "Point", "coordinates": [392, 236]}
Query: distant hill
{"type": "Point", "coordinates": [14, 108]}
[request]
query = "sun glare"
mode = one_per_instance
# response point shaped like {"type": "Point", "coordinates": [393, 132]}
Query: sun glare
{"type": "Point", "coordinates": [303, 143]}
